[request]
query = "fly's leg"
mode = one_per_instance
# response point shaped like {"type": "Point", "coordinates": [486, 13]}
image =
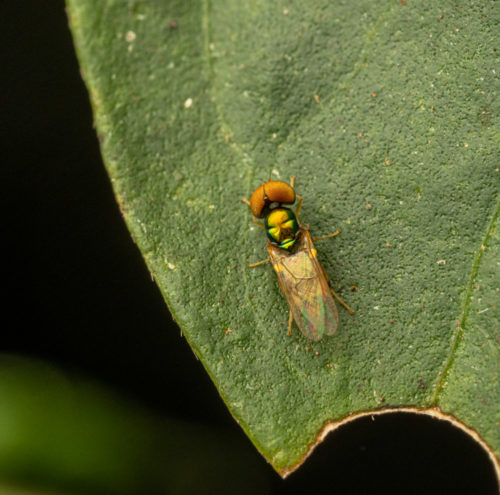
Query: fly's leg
{"type": "Point", "coordinates": [301, 199]}
{"type": "Point", "coordinates": [253, 265]}
{"type": "Point", "coordinates": [337, 232]}
{"type": "Point", "coordinates": [261, 225]}
{"type": "Point", "coordinates": [254, 221]}
{"type": "Point", "coordinates": [351, 311]}
{"type": "Point", "coordinates": [299, 206]}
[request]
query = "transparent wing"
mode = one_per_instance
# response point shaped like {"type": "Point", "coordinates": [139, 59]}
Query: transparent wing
{"type": "Point", "coordinates": [303, 282]}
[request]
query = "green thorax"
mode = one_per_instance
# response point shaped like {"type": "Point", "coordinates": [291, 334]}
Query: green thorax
{"type": "Point", "coordinates": [282, 227]}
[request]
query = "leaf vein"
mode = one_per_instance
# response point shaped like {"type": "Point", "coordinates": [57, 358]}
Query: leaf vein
{"type": "Point", "coordinates": [465, 312]}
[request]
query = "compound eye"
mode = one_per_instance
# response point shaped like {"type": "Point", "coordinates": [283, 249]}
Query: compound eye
{"type": "Point", "coordinates": [274, 191]}
{"type": "Point", "coordinates": [258, 202]}
{"type": "Point", "coordinates": [277, 191]}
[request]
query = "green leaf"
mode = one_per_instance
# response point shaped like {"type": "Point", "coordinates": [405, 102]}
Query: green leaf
{"type": "Point", "coordinates": [387, 113]}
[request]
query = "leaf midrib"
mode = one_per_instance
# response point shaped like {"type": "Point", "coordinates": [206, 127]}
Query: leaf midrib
{"type": "Point", "coordinates": [465, 311]}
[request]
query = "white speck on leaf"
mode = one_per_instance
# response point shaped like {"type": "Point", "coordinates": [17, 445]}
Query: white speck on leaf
{"type": "Point", "coordinates": [130, 36]}
{"type": "Point", "coordinates": [170, 265]}
{"type": "Point", "coordinates": [188, 103]}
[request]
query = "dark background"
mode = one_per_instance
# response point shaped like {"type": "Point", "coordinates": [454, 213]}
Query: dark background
{"type": "Point", "coordinates": [79, 295]}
